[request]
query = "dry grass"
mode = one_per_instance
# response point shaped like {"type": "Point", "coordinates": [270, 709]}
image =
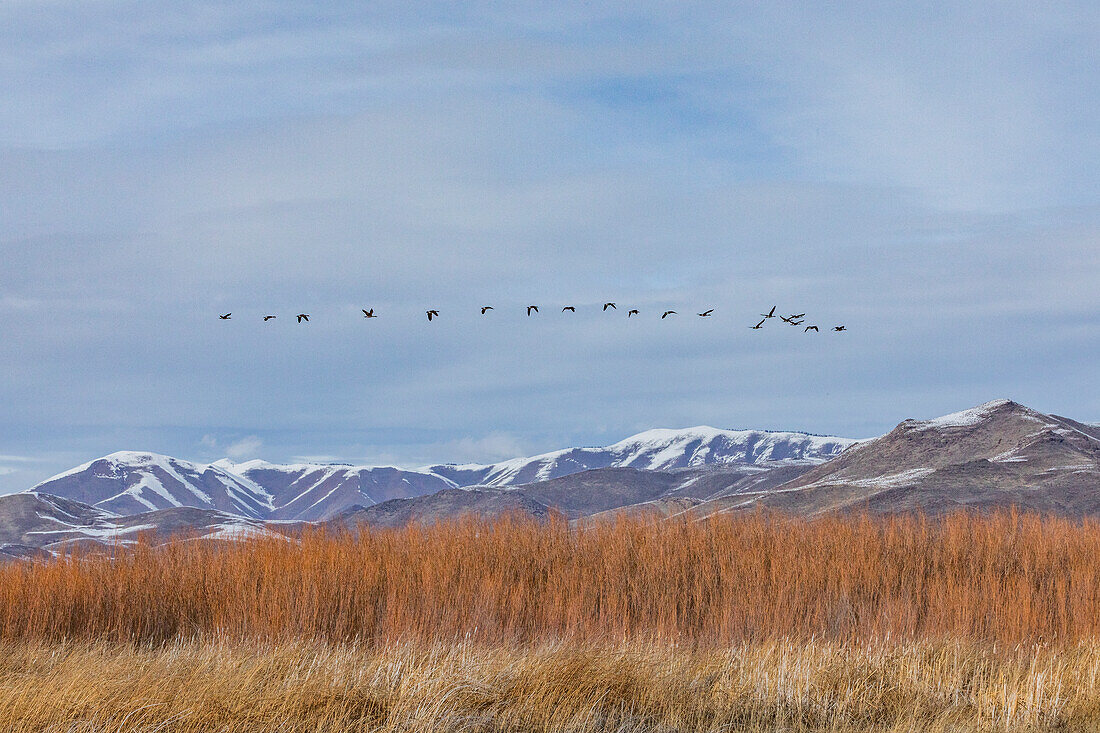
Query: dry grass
{"type": "Point", "coordinates": [192, 687]}
{"type": "Point", "coordinates": [739, 623]}
{"type": "Point", "coordinates": [1007, 579]}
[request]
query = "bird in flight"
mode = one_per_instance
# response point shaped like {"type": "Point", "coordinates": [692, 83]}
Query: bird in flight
{"type": "Point", "coordinates": [432, 314]}
{"type": "Point", "coordinates": [303, 317]}
{"type": "Point", "coordinates": [809, 328]}
{"type": "Point", "coordinates": [486, 308]}
{"type": "Point", "coordinates": [609, 305]}
{"type": "Point", "coordinates": [759, 325]}
{"type": "Point", "coordinates": [368, 313]}
{"type": "Point", "coordinates": [666, 314]}
{"type": "Point", "coordinates": [534, 308]}
{"type": "Point", "coordinates": [769, 314]}
{"type": "Point", "coordinates": [632, 312]}
{"type": "Point", "coordinates": [569, 308]}
{"type": "Point", "coordinates": [225, 317]}
{"type": "Point", "coordinates": [793, 320]}
{"type": "Point", "coordinates": [796, 315]}
{"type": "Point", "coordinates": [268, 318]}
{"type": "Point", "coordinates": [706, 313]}
{"type": "Point", "coordinates": [839, 328]}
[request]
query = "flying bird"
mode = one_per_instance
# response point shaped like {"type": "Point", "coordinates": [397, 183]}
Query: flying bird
{"type": "Point", "coordinates": [810, 328]}
{"type": "Point", "coordinates": [759, 325]}
{"type": "Point", "coordinates": [788, 319]}
{"type": "Point", "coordinates": [268, 318]}
{"type": "Point", "coordinates": [534, 308]}
{"type": "Point", "coordinates": [609, 305]}
{"type": "Point", "coordinates": [839, 328]}
{"type": "Point", "coordinates": [368, 313]}
{"type": "Point", "coordinates": [432, 314]}
{"type": "Point", "coordinates": [303, 317]}
{"type": "Point", "coordinates": [225, 317]}
{"type": "Point", "coordinates": [569, 308]}
{"type": "Point", "coordinates": [632, 312]}
{"type": "Point", "coordinates": [666, 314]}
{"type": "Point", "coordinates": [486, 308]}
{"type": "Point", "coordinates": [769, 314]}
{"type": "Point", "coordinates": [706, 313]}
{"type": "Point", "coordinates": [796, 315]}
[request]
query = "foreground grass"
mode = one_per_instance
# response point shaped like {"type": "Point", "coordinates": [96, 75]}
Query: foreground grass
{"type": "Point", "coordinates": [315, 687]}
{"type": "Point", "coordinates": [749, 623]}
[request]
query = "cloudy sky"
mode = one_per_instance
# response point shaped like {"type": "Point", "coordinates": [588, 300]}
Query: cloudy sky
{"type": "Point", "coordinates": [928, 176]}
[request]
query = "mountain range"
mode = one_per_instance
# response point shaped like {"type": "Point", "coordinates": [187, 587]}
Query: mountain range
{"type": "Point", "coordinates": [998, 454]}
{"type": "Point", "coordinates": [131, 482]}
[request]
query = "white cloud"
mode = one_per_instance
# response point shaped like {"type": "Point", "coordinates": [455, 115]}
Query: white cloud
{"type": "Point", "coordinates": [497, 446]}
{"type": "Point", "coordinates": [20, 459]}
{"type": "Point", "coordinates": [247, 447]}
{"type": "Point", "coordinates": [972, 106]}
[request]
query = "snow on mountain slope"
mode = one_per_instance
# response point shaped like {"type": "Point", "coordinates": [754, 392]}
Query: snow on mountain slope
{"type": "Point", "coordinates": [310, 492]}
{"type": "Point", "coordinates": [997, 454]}
{"type": "Point", "coordinates": [132, 482]}
{"type": "Point", "coordinates": [973, 416]}
{"type": "Point", "coordinates": [655, 450]}
{"type": "Point", "coordinates": [37, 524]}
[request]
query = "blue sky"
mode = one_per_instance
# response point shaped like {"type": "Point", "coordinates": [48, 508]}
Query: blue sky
{"type": "Point", "coordinates": [928, 176]}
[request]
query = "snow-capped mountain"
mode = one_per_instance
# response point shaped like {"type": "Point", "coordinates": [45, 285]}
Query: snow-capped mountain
{"type": "Point", "coordinates": [132, 482]}
{"type": "Point", "coordinates": [306, 491]}
{"type": "Point", "coordinates": [997, 454]}
{"type": "Point", "coordinates": [656, 450]}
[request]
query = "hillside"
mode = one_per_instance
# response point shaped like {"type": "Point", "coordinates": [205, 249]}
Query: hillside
{"type": "Point", "coordinates": [997, 454]}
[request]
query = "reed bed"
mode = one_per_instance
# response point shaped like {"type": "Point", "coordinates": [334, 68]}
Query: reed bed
{"type": "Point", "coordinates": [1006, 579]}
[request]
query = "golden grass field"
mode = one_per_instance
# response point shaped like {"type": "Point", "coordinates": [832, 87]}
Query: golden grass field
{"type": "Point", "coordinates": [321, 688]}
{"type": "Point", "coordinates": [735, 623]}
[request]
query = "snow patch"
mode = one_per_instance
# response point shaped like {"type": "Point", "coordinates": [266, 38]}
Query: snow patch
{"type": "Point", "coordinates": [98, 533]}
{"type": "Point", "coordinates": [961, 419]}
{"type": "Point", "coordinates": [239, 532]}
{"type": "Point", "coordinates": [888, 481]}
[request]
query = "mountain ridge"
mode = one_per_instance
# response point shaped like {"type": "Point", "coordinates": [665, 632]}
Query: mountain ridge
{"type": "Point", "coordinates": [128, 482]}
{"type": "Point", "coordinates": [996, 455]}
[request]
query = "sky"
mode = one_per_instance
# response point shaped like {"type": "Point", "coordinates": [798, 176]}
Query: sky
{"type": "Point", "coordinates": [927, 174]}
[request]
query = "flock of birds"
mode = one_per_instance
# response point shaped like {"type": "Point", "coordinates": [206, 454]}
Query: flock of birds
{"type": "Point", "coordinates": [794, 319]}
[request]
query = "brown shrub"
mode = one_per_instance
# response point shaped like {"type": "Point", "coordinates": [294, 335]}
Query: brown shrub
{"type": "Point", "coordinates": [1008, 578]}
